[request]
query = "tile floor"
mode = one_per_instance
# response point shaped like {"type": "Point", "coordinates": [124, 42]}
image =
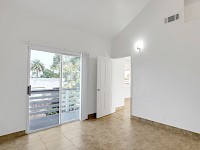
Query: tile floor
{"type": "Point", "coordinates": [113, 132]}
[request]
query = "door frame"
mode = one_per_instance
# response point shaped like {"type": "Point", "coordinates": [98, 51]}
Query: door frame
{"type": "Point", "coordinates": [131, 85]}
{"type": "Point", "coordinates": [56, 51]}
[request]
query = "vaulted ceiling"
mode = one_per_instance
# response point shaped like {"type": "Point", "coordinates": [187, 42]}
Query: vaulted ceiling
{"type": "Point", "coordinates": [103, 18]}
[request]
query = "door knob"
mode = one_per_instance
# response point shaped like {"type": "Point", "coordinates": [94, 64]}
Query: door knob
{"type": "Point", "coordinates": [98, 90]}
{"type": "Point", "coordinates": [29, 90]}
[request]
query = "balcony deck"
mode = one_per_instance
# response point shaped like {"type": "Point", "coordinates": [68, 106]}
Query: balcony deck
{"type": "Point", "coordinates": [52, 120]}
{"type": "Point", "coordinates": [44, 107]}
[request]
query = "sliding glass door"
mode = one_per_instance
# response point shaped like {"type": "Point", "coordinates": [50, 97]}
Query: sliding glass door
{"type": "Point", "coordinates": [54, 91]}
{"type": "Point", "coordinates": [70, 106]}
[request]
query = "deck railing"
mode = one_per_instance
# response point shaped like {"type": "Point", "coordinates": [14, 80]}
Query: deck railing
{"type": "Point", "coordinates": [46, 102]}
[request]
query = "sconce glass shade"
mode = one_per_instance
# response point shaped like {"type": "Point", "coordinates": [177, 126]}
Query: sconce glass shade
{"type": "Point", "coordinates": [139, 46]}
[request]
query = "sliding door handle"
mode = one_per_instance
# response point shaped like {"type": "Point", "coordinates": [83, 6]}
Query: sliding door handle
{"type": "Point", "coordinates": [29, 90]}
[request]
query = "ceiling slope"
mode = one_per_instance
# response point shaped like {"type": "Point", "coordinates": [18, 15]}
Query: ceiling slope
{"type": "Point", "coordinates": [103, 18]}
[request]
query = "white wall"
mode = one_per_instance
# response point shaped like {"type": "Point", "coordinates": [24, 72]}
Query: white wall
{"type": "Point", "coordinates": [192, 10]}
{"type": "Point", "coordinates": [16, 28]}
{"type": "Point", "coordinates": [166, 79]}
{"type": "Point", "coordinates": [120, 91]}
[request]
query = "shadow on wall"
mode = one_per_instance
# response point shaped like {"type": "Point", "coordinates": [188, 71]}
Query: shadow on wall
{"type": "Point", "coordinates": [92, 86]}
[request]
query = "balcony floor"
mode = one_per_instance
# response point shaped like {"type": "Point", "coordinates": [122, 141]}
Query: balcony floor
{"type": "Point", "coordinates": [52, 120]}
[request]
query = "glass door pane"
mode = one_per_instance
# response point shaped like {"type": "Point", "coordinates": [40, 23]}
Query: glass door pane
{"type": "Point", "coordinates": [70, 103]}
{"type": "Point", "coordinates": [45, 85]}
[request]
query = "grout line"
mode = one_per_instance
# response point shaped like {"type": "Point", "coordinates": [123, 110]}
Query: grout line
{"type": "Point", "coordinates": [42, 141]}
{"type": "Point", "coordinates": [70, 141]}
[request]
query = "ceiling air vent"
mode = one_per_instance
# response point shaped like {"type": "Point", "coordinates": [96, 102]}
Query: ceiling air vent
{"type": "Point", "coordinates": [172, 18]}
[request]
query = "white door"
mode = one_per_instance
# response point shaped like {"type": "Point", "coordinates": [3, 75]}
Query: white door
{"type": "Point", "coordinates": [104, 86]}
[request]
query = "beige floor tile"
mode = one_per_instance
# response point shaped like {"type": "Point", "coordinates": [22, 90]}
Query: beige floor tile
{"type": "Point", "coordinates": [84, 141]}
{"type": "Point", "coordinates": [74, 133]}
{"type": "Point", "coordinates": [47, 138]}
{"type": "Point", "coordinates": [28, 139]}
{"type": "Point", "coordinates": [70, 148]}
{"type": "Point", "coordinates": [48, 131]}
{"type": "Point", "coordinates": [36, 146]}
{"type": "Point", "coordinates": [8, 145]}
{"type": "Point", "coordinates": [58, 144]}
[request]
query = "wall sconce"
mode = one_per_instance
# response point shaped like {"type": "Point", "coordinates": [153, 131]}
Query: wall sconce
{"type": "Point", "coordinates": [139, 46]}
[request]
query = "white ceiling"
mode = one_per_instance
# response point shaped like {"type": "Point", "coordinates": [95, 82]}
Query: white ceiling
{"type": "Point", "coordinates": [103, 18]}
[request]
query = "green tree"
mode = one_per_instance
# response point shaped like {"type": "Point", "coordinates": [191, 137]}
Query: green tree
{"type": "Point", "coordinates": [37, 66]}
{"type": "Point", "coordinates": [49, 74]}
{"type": "Point", "coordinates": [56, 63]}
{"type": "Point", "coordinates": [71, 71]}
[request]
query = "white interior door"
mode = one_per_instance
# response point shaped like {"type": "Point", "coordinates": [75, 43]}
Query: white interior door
{"type": "Point", "coordinates": [104, 86]}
